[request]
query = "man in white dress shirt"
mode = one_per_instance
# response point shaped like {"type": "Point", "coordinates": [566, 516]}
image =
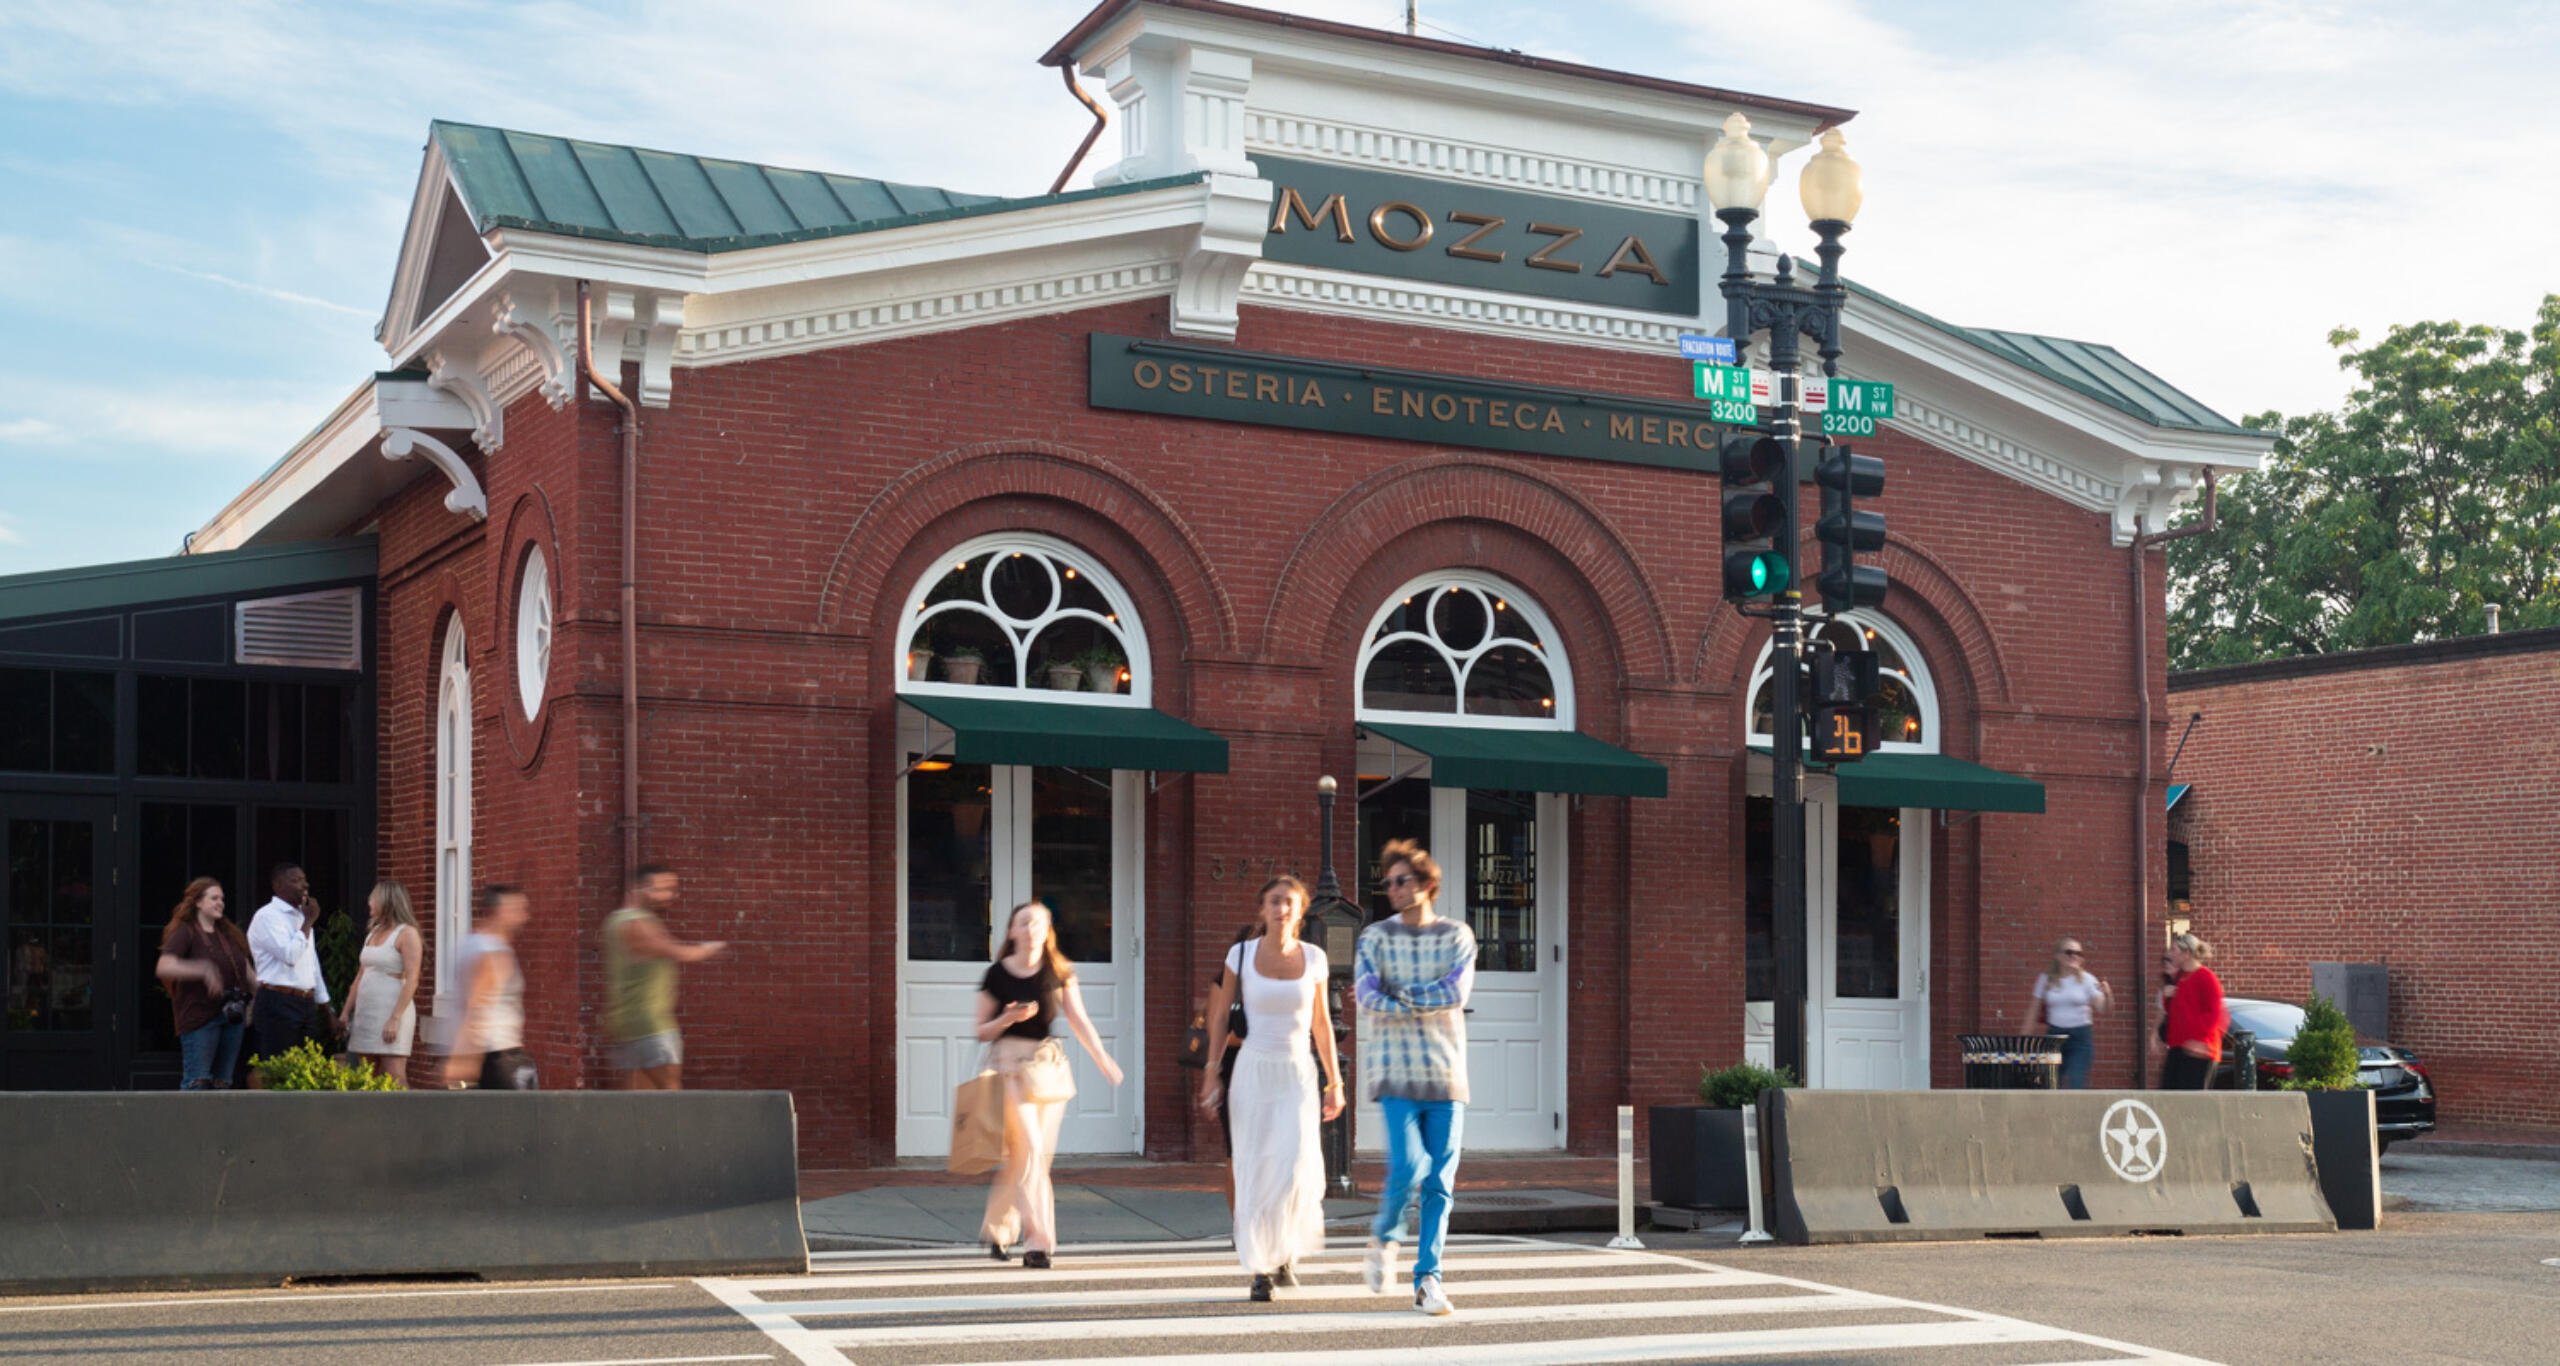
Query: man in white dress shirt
{"type": "Point", "coordinates": [292, 1003]}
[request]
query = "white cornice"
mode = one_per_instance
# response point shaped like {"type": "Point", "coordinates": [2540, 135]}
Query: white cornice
{"type": "Point", "coordinates": [417, 248]}
{"type": "Point", "coordinates": [1469, 162]}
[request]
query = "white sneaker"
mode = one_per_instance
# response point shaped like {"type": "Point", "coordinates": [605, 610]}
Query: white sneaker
{"type": "Point", "coordinates": [1429, 1298]}
{"type": "Point", "coordinates": [1378, 1267]}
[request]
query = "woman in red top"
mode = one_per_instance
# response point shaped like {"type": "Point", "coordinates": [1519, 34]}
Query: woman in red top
{"type": "Point", "coordinates": [2195, 1018]}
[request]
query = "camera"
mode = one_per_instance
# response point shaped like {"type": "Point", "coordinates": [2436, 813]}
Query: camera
{"type": "Point", "coordinates": [235, 1006]}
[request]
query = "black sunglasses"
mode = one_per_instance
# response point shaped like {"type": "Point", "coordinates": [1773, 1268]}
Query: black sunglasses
{"type": "Point", "coordinates": [1403, 880]}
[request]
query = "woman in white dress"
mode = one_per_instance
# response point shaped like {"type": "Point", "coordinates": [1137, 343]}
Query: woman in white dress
{"type": "Point", "coordinates": [1279, 1165]}
{"type": "Point", "coordinates": [382, 1012]}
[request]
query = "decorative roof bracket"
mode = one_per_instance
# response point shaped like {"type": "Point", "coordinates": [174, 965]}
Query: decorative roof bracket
{"type": "Point", "coordinates": [400, 443]}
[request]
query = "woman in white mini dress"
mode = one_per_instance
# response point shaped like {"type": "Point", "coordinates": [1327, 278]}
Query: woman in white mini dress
{"type": "Point", "coordinates": [382, 1011]}
{"type": "Point", "coordinates": [1275, 1102]}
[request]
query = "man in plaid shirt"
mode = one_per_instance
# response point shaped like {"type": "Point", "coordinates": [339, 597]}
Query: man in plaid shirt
{"type": "Point", "coordinates": [1412, 975]}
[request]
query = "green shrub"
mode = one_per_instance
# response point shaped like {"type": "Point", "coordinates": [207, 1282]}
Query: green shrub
{"type": "Point", "coordinates": [1731, 1088]}
{"type": "Point", "coordinates": [2324, 1049]}
{"type": "Point", "coordinates": [304, 1067]}
{"type": "Point", "coordinates": [340, 939]}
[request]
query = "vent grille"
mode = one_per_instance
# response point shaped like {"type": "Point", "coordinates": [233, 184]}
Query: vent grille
{"type": "Point", "coordinates": [323, 630]}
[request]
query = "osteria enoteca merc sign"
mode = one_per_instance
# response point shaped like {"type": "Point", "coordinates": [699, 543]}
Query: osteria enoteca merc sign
{"type": "Point", "coordinates": [1419, 228]}
{"type": "Point", "coordinates": [1184, 380]}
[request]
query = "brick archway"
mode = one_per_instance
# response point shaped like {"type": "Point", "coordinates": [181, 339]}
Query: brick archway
{"type": "Point", "coordinates": [1533, 516]}
{"type": "Point", "coordinates": [863, 575]}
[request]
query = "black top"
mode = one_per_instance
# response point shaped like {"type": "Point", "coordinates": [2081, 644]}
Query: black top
{"type": "Point", "coordinates": [1040, 988]}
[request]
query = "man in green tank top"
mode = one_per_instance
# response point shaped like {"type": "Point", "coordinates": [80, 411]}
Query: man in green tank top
{"type": "Point", "coordinates": [640, 960]}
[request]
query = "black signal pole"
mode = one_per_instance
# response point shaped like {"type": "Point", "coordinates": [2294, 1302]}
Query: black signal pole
{"type": "Point", "coordinates": [1788, 312]}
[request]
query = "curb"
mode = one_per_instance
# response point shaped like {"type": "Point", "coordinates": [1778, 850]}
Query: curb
{"type": "Point", "coordinates": [2523, 1152]}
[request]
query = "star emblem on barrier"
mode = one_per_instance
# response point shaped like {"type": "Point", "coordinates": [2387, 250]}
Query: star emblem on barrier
{"type": "Point", "coordinates": [2134, 1140]}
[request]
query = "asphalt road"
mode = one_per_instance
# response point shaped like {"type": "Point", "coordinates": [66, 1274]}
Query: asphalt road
{"type": "Point", "coordinates": [2430, 1287]}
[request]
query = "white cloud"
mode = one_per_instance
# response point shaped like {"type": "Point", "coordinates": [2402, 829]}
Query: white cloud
{"type": "Point", "coordinates": [263, 291]}
{"type": "Point", "coordinates": [29, 431]}
{"type": "Point", "coordinates": [9, 533]}
{"type": "Point", "coordinates": [168, 419]}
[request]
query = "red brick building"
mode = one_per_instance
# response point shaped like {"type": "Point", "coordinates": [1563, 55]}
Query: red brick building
{"type": "Point", "coordinates": [1282, 487]}
{"type": "Point", "coordinates": [2423, 835]}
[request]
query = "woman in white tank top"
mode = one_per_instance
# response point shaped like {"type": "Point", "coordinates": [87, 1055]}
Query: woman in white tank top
{"type": "Point", "coordinates": [1275, 1102]}
{"type": "Point", "coordinates": [2068, 998]}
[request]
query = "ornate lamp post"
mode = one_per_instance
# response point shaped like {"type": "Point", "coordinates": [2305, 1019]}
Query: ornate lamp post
{"type": "Point", "coordinates": [1737, 179]}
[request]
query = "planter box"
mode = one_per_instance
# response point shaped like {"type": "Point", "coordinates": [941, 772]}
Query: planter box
{"type": "Point", "coordinates": [2349, 1153]}
{"type": "Point", "coordinates": [1696, 1157]}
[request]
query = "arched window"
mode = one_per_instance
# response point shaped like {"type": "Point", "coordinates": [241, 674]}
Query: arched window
{"type": "Point", "coordinates": [1467, 647]}
{"type": "Point", "coordinates": [453, 810]}
{"type": "Point", "coordinates": [533, 632]}
{"type": "Point", "coordinates": [1907, 704]}
{"type": "Point", "coordinates": [1024, 613]}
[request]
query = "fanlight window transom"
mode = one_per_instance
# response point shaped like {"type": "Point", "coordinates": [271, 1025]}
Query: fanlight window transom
{"type": "Point", "coordinates": [1906, 703]}
{"type": "Point", "coordinates": [1465, 647]}
{"type": "Point", "coordinates": [1024, 614]}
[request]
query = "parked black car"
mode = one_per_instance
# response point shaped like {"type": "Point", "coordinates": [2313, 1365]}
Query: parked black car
{"type": "Point", "coordinates": [2404, 1096]}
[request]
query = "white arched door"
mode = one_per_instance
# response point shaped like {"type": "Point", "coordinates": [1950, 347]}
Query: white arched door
{"type": "Point", "coordinates": [977, 839]}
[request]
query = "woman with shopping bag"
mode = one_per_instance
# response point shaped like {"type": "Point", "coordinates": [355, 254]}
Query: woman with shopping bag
{"type": "Point", "coordinates": [1024, 992]}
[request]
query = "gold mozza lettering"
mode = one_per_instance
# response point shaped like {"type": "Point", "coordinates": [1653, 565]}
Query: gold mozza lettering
{"type": "Point", "coordinates": [1400, 225]}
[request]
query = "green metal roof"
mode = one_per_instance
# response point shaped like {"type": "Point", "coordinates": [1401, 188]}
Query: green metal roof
{"type": "Point", "coordinates": [133, 583]}
{"type": "Point", "coordinates": [2092, 368]}
{"type": "Point", "coordinates": [612, 193]}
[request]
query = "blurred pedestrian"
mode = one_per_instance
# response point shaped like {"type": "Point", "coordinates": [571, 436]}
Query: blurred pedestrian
{"type": "Point", "coordinates": [2068, 998]}
{"type": "Point", "coordinates": [382, 1012]}
{"type": "Point", "coordinates": [488, 1046]}
{"type": "Point", "coordinates": [292, 1002]}
{"type": "Point", "coordinates": [204, 966]}
{"type": "Point", "coordinates": [1025, 990]}
{"type": "Point", "coordinates": [640, 959]}
{"type": "Point", "coordinates": [2193, 1016]}
{"type": "Point", "coordinates": [1412, 975]}
{"type": "Point", "coordinates": [1275, 1154]}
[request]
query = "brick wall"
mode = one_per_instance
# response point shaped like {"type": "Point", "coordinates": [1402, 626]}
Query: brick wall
{"type": "Point", "coordinates": [2400, 813]}
{"type": "Point", "coordinates": [789, 505]}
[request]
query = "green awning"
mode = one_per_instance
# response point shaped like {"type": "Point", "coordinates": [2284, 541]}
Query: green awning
{"type": "Point", "coordinates": [1528, 760]}
{"type": "Point", "coordinates": [1004, 730]}
{"type": "Point", "coordinates": [1935, 781]}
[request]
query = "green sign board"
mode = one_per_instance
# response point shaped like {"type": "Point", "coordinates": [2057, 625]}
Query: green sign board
{"type": "Point", "coordinates": [1456, 233]}
{"type": "Point", "coordinates": [1856, 406]}
{"type": "Point", "coordinates": [1185, 380]}
{"type": "Point", "coordinates": [1727, 391]}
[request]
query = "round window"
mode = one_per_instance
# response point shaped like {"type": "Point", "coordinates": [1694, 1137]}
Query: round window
{"type": "Point", "coordinates": [533, 631]}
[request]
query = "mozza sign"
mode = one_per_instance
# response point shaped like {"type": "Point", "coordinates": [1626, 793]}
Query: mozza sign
{"type": "Point", "coordinates": [1416, 228]}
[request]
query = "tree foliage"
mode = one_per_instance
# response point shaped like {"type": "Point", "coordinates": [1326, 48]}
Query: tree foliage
{"type": "Point", "coordinates": [2323, 1051]}
{"type": "Point", "coordinates": [2434, 490]}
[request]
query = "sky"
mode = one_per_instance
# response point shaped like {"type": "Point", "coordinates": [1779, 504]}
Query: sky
{"type": "Point", "coordinates": [200, 205]}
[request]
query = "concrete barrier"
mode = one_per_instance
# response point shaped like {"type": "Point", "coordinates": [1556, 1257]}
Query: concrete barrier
{"type": "Point", "coordinates": [1893, 1166]}
{"type": "Point", "coordinates": [139, 1191]}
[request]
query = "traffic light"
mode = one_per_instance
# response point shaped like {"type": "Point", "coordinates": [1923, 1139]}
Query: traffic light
{"type": "Point", "coordinates": [1843, 690]}
{"type": "Point", "coordinates": [1844, 531]}
{"type": "Point", "coordinates": [1759, 517]}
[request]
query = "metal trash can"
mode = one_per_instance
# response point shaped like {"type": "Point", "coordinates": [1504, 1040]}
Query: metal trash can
{"type": "Point", "coordinates": [2011, 1062]}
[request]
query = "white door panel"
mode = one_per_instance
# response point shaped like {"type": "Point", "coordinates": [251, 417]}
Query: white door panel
{"type": "Point", "coordinates": [974, 842]}
{"type": "Point", "coordinates": [1867, 1012]}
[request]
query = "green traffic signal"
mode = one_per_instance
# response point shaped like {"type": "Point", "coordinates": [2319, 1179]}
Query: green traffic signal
{"type": "Point", "coordinates": [1759, 515]}
{"type": "Point", "coordinates": [1755, 573]}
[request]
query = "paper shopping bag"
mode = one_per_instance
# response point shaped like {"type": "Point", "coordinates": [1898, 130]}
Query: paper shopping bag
{"type": "Point", "coordinates": [977, 1125]}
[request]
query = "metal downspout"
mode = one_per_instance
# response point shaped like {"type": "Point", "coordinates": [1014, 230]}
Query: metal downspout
{"type": "Point", "coordinates": [1092, 134]}
{"type": "Point", "coordinates": [630, 580]}
{"type": "Point", "coordinates": [2142, 789]}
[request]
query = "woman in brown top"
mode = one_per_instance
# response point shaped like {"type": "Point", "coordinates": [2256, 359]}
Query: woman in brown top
{"type": "Point", "coordinates": [204, 966]}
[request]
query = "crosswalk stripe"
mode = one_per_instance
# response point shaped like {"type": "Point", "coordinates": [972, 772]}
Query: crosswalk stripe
{"type": "Point", "coordinates": [975, 1251]}
{"type": "Point", "coordinates": [1221, 1267]}
{"type": "Point", "coordinates": [1034, 1301]}
{"type": "Point", "coordinates": [1643, 1347]}
{"type": "Point", "coordinates": [1398, 1318]}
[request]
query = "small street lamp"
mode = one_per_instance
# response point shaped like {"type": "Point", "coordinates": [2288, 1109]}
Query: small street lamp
{"type": "Point", "coordinates": [1737, 180]}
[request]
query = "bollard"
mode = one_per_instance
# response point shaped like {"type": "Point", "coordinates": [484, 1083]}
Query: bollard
{"type": "Point", "coordinates": [1626, 1179]}
{"type": "Point", "coordinates": [1752, 1232]}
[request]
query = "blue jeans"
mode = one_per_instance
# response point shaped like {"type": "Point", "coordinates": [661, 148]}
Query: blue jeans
{"type": "Point", "coordinates": [1422, 1146]}
{"type": "Point", "coordinates": [206, 1055]}
{"type": "Point", "coordinates": [2079, 1050]}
